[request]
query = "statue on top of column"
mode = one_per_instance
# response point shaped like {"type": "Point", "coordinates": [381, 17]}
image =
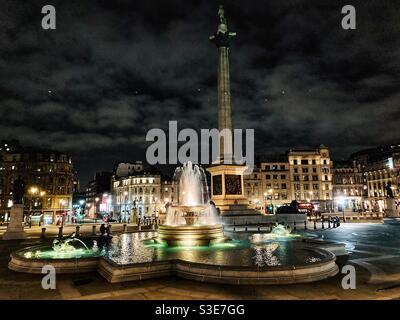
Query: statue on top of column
{"type": "Point", "coordinates": [221, 14]}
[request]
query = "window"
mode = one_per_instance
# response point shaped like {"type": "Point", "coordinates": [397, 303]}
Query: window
{"type": "Point", "coordinates": [304, 161]}
{"type": "Point", "coordinates": [326, 178]}
{"type": "Point", "coordinates": [315, 178]}
{"type": "Point", "coordinates": [296, 170]}
{"type": "Point", "coordinates": [305, 186]}
{"type": "Point", "coordinates": [305, 178]}
{"type": "Point", "coordinates": [275, 176]}
{"type": "Point", "coordinates": [276, 185]}
{"type": "Point", "coordinates": [297, 186]}
{"type": "Point", "coordinates": [314, 170]}
{"type": "Point", "coordinates": [295, 162]}
{"type": "Point", "coordinates": [296, 178]}
{"type": "Point", "coordinates": [314, 162]}
{"type": "Point", "coordinates": [283, 176]}
{"type": "Point", "coordinates": [315, 186]}
{"type": "Point", "coordinates": [274, 167]}
{"type": "Point", "coordinates": [284, 196]}
{"type": "Point", "coordinates": [268, 176]}
{"type": "Point", "coordinates": [283, 167]}
{"type": "Point", "coordinates": [283, 185]}
{"type": "Point", "coordinates": [268, 167]}
{"type": "Point", "coordinates": [325, 162]}
{"type": "Point", "coordinates": [305, 170]}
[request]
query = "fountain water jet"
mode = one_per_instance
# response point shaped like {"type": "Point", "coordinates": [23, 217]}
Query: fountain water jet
{"type": "Point", "coordinates": [194, 220]}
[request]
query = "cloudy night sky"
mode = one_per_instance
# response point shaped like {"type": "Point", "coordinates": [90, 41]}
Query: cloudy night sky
{"type": "Point", "coordinates": [112, 70]}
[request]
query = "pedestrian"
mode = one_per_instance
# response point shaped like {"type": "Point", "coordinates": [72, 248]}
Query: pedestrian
{"type": "Point", "coordinates": [102, 229]}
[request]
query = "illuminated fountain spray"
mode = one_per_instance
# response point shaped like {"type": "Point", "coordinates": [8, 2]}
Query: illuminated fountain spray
{"type": "Point", "coordinates": [193, 207]}
{"type": "Point", "coordinates": [194, 220]}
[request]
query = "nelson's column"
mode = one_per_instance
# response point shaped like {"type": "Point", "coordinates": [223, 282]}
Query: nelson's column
{"type": "Point", "coordinates": [227, 186]}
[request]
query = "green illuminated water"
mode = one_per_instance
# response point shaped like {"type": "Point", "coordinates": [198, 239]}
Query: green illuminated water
{"type": "Point", "coordinates": [244, 250]}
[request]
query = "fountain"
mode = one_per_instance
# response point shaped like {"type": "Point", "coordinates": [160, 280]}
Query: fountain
{"type": "Point", "coordinates": [191, 244]}
{"type": "Point", "coordinates": [194, 220]}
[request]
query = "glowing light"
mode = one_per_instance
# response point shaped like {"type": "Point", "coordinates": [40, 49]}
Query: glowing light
{"type": "Point", "coordinates": [33, 190]}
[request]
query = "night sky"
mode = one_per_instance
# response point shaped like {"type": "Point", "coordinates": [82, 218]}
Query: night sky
{"type": "Point", "coordinates": [112, 70]}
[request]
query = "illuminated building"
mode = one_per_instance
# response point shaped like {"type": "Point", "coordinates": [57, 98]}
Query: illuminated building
{"type": "Point", "coordinates": [380, 166]}
{"type": "Point", "coordinates": [311, 177]}
{"type": "Point", "coordinates": [348, 188]}
{"type": "Point", "coordinates": [302, 175]}
{"type": "Point", "coordinates": [49, 177]}
{"type": "Point", "coordinates": [143, 194]}
{"type": "Point", "coordinates": [98, 195]}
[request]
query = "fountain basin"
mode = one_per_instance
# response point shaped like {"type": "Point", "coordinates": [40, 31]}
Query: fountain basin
{"type": "Point", "coordinates": [190, 235]}
{"type": "Point", "coordinates": [82, 262]}
{"type": "Point", "coordinates": [239, 275]}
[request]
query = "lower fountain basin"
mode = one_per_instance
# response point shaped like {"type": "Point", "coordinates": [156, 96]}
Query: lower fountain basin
{"type": "Point", "coordinates": [79, 262]}
{"type": "Point", "coordinates": [137, 256]}
{"type": "Point", "coordinates": [187, 235]}
{"type": "Point", "coordinates": [239, 275]}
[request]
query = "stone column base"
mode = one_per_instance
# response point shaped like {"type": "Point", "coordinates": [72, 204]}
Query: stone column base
{"type": "Point", "coordinates": [15, 230]}
{"type": "Point", "coordinates": [14, 235]}
{"type": "Point", "coordinates": [391, 211]}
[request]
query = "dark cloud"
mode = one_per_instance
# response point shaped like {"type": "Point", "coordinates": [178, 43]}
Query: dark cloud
{"type": "Point", "coordinates": [113, 70]}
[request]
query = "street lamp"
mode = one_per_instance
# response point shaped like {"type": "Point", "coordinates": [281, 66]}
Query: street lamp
{"type": "Point", "coordinates": [62, 203]}
{"type": "Point", "coordinates": [125, 195]}
{"type": "Point", "coordinates": [272, 206]}
{"type": "Point", "coordinates": [97, 199]}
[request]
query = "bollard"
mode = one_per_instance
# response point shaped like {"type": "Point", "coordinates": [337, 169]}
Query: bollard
{"type": "Point", "coordinates": [124, 228]}
{"type": "Point", "coordinates": [305, 225]}
{"type": "Point", "coordinates": [93, 230]}
{"type": "Point", "coordinates": [329, 223]}
{"type": "Point", "coordinates": [245, 228]}
{"type": "Point", "coordinates": [294, 225]}
{"type": "Point", "coordinates": [323, 227]}
{"type": "Point", "coordinates": [139, 227]}
{"type": "Point", "coordinates": [43, 235]}
{"type": "Point", "coordinates": [60, 232]}
{"type": "Point", "coordinates": [258, 228]}
{"type": "Point", "coordinates": [77, 231]}
{"type": "Point", "coordinates": [315, 225]}
{"type": "Point", "coordinates": [234, 228]}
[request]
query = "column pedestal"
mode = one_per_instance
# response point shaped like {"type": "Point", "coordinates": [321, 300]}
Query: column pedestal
{"type": "Point", "coordinates": [227, 188]}
{"type": "Point", "coordinates": [391, 211]}
{"type": "Point", "coordinates": [15, 230]}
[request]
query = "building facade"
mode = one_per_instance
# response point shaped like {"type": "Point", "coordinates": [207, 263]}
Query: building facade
{"type": "Point", "coordinates": [381, 169]}
{"type": "Point", "coordinates": [311, 177]}
{"type": "Point", "coordinates": [98, 195]}
{"type": "Point", "coordinates": [144, 194]}
{"type": "Point", "coordinates": [49, 177]}
{"type": "Point", "coordinates": [301, 175]}
{"type": "Point", "coordinates": [348, 188]}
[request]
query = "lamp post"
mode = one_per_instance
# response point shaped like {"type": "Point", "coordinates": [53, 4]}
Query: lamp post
{"type": "Point", "coordinates": [272, 206]}
{"type": "Point", "coordinates": [125, 195]}
{"type": "Point", "coordinates": [34, 192]}
{"type": "Point", "coordinates": [62, 202]}
{"type": "Point", "coordinates": [96, 200]}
